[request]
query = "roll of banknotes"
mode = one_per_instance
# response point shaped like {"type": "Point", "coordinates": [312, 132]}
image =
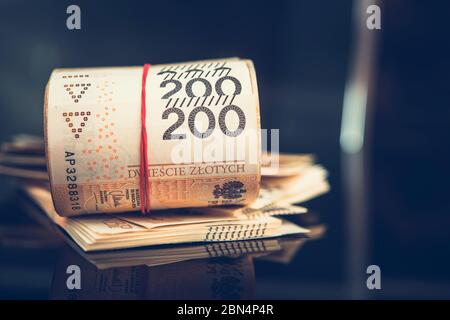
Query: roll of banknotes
{"type": "Point", "coordinates": [202, 126]}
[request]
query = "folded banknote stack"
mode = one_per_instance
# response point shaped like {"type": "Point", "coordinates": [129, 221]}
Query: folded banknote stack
{"type": "Point", "coordinates": [296, 180]}
{"type": "Point", "coordinates": [219, 270]}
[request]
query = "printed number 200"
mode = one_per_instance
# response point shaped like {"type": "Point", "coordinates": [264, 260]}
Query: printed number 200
{"type": "Point", "coordinates": [169, 135]}
{"type": "Point", "coordinates": [207, 86]}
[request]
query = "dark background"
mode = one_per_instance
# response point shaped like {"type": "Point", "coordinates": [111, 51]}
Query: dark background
{"type": "Point", "coordinates": [303, 51]}
{"type": "Point", "coordinates": [300, 50]}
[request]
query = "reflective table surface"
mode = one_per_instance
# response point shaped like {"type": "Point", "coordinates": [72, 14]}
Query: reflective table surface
{"type": "Point", "coordinates": [36, 260]}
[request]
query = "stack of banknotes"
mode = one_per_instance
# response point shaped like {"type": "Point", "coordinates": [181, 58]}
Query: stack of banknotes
{"type": "Point", "coordinates": [296, 180]}
{"type": "Point", "coordinates": [220, 270]}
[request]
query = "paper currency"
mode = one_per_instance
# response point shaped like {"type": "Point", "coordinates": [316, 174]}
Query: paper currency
{"type": "Point", "coordinates": [24, 144]}
{"type": "Point", "coordinates": [155, 256]}
{"type": "Point", "coordinates": [298, 180]}
{"type": "Point", "coordinates": [24, 173]}
{"type": "Point", "coordinates": [283, 165]}
{"type": "Point", "coordinates": [282, 192]}
{"type": "Point", "coordinates": [121, 231]}
{"type": "Point", "coordinates": [24, 157]}
{"type": "Point", "coordinates": [203, 130]}
{"type": "Point", "coordinates": [30, 153]}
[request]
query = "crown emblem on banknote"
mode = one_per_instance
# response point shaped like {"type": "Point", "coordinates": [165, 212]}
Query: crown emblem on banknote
{"type": "Point", "coordinates": [229, 190]}
{"type": "Point", "coordinates": [76, 90]}
{"type": "Point", "coordinates": [76, 127]}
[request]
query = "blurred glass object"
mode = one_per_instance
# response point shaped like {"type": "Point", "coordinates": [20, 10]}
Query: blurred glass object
{"type": "Point", "coordinates": [354, 138]}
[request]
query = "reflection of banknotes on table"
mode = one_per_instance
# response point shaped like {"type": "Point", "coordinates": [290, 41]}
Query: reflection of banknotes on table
{"type": "Point", "coordinates": [217, 278]}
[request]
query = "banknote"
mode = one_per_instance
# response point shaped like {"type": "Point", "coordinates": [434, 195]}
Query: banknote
{"type": "Point", "coordinates": [154, 256]}
{"type": "Point", "coordinates": [27, 153]}
{"type": "Point", "coordinates": [282, 192]}
{"type": "Point", "coordinates": [298, 179]}
{"type": "Point", "coordinates": [120, 231]}
{"type": "Point", "coordinates": [202, 126]}
{"type": "Point", "coordinates": [284, 164]}
{"type": "Point", "coordinates": [20, 160]}
{"type": "Point", "coordinates": [24, 144]}
{"type": "Point", "coordinates": [26, 174]}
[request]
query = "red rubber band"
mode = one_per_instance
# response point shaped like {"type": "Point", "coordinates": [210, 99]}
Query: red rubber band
{"type": "Point", "coordinates": [144, 184]}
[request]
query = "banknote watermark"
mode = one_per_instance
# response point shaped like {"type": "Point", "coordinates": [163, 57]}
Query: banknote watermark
{"type": "Point", "coordinates": [73, 21]}
{"type": "Point", "coordinates": [374, 280]}
{"type": "Point", "coordinates": [73, 281]}
{"type": "Point", "coordinates": [373, 21]}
